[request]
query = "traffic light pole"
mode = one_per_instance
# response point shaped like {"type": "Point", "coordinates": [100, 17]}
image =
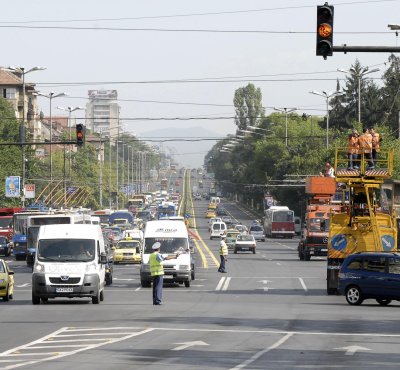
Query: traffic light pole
{"type": "Point", "coordinates": [366, 49]}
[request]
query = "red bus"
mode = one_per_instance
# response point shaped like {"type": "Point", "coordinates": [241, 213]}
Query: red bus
{"type": "Point", "coordinates": [279, 221]}
{"type": "Point", "coordinates": [6, 220]}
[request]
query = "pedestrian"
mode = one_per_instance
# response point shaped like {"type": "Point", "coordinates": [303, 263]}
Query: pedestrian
{"type": "Point", "coordinates": [352, 150]}
{"type": "Point", "coordinates": [376, 140]}
{"type": "Point", "coordinates": [365, 141]}
{"type": "Point", "coordinates": [157, 271]}
{"type": "Point", "coordinates": [223, 254]}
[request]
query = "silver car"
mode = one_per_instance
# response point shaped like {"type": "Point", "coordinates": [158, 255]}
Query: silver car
{"type": "Point", "coordinates": [258, 232]}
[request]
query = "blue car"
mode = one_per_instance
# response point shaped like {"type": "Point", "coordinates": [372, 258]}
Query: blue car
{"type": "Point", "coordinates": [370, 275]}
{"type": "Point", "coordinates": [5, 246]}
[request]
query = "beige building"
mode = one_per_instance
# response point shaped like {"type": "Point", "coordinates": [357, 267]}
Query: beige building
{"type": "Point", "coordinates": [102, 112]}
{"type": "Point", "coordinates": [11, 89]}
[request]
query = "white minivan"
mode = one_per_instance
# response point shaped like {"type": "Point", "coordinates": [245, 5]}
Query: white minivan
{"type": "Point", "coordinates": [174, 238]}
{"type": "Point", "coordinates": [69, 262]}
{"type": "Point", "coordinates": [217, 229]}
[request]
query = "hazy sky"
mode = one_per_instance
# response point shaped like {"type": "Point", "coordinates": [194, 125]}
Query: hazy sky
{"type": "Point", "coordinates": [282, 64]}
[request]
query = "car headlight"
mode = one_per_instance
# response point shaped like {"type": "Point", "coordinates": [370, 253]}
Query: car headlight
{"type": "Point", "coordinates": [184, 267]}
{"type": "Point", "coordinates": [91, 267]}
{"type": "Point", "coordinates": [39, 267]}
{"type": "Point", "coordinates": [2, 281]}
{"type": "Point", "coordinates": [16, 244]}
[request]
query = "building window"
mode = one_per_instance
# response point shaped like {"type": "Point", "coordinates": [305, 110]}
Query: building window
{"type": "Point", "coordinates": [9, 93]}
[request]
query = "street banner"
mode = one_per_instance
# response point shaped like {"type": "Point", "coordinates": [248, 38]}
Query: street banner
{"type": "Point", "coordinates": [29, 191]}
{"type": "Point", "coordinates": [13, 186]}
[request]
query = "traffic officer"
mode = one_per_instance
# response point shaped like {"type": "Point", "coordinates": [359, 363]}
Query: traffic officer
{"type": "Point", "coordinates": [157, 271]}
{"type": "Point", "coordinates": [223, 254]}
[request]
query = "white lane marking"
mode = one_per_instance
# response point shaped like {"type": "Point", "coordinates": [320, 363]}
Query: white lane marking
{"type": "Point", "coordinates": [303, 284]}
{"type": "Point", "coordinates": [137, 289]}
{"type": "Point", "coordinates": [221, 282]}
{"type": "Point", "coordinates": [189, 344]}
{"type": "Point", "coordinates": [260, 353]}
{"type": "Point", "coordinates": [124, 279]}
{"type": "Point", "coordinates": [227, 281]}
{"type": "Point", "coordinates": [17, 351]}
{"type": "Point", "coordinates": [22, 285]}
{"type": "Point", "coordinates": [351, 350]}
{"type": "Point", "coordinates": [278, 263]}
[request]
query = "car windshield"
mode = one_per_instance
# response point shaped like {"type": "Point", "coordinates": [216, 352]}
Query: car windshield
{"type": "Point", "coordinates": [168, 245]}
{"type": "Point", "coordinates": [318, 224]}
{"type": "Point", "coordinates": [128, 245]}
{"type": "Point", "coordinates": [244, 238]}
{"type": "Point", "coordinates": [256, 228]}
{"type": "Point", "coordinates": [2, 267]}
{"type": "Point", "coordinates": [66, 250]}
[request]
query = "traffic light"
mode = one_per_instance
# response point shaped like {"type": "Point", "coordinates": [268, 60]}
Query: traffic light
{"type": "Point", "coordinates": [325, 30]}
{"type": "Point", "coordinates": [80, 134]}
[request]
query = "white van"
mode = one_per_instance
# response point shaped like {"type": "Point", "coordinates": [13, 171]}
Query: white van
{"type": "Point", "coordinates": [297, 225]}
{"type": "Point", "coordinates": [70, 262]}
{"type": "Point", "coordinates": [173, 237]}
{"type": "Point", "coordinates": [217, 229]}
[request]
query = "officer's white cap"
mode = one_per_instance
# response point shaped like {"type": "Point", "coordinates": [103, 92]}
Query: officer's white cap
{"type": "Point", "coordinates": [156, 245]}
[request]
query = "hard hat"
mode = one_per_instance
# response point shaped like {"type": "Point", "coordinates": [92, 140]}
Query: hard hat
{"type": "Point", "coordinates": [156, 246]}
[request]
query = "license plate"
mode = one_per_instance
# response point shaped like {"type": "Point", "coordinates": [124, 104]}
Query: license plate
{"type": "Point", "coordinates": [64, 290]}
{"type": "Point", "coordinates": [324, 250]}
{"type": "Point", "coordinates": [168, 277]}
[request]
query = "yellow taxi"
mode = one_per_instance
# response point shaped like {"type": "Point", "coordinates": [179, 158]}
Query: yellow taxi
{"type": "Point", "coordinates": [210, 213]}
{"type": "Point", "coordinates": [212, 205]}
{"type": "Point", "coordinates": [6, 281]}
{"type": "Point", "coordinates": [127, 251]}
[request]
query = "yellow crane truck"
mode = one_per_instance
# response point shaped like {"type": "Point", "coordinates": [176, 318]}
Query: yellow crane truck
{"type": "Point", "coordinates": [362, 225]}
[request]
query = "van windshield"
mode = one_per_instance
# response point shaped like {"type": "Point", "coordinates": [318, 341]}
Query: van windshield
{"type": "Point", "coordinates": [168, 245]}
{"type": "Point", "coordinates": [66, 250]}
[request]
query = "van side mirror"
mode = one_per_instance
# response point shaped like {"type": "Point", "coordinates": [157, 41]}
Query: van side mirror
{"type": "Point", "coordinates": [10, 272]}
{"type": "Point", "coordinates": [103, 258]}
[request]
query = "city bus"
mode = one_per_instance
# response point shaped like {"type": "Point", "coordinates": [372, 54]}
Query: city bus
{"type": "Point", "coordinates": [279, 221]}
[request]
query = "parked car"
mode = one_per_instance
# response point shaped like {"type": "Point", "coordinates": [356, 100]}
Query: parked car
{"type": "Point", "coordinates": [6, 281]}
{"type": "Point", "coordinates": [245, 242]}
{"type": "Point", "coordinates": [257, 231]}
{"type": "Point", "coordinates": [370, 275]}
{"type": "Point", "coordinates": [5, 246]}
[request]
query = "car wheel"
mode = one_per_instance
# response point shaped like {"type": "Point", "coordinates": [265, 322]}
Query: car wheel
{"type": "Point", "coordinates": [44, 299]}
{"type": "Point", "coordinates": [254, 251]}
{"type": "Point", "coordinates": [96, 298]}
{"type": "Point", "coordinates": [193, 273]}
{"type": "Point", "coordinates": [354, 295]}
{"type": "Point", "coordinates": [102, 296]}
{"type": "Point", "coordinates": [383, 302]}
{"type": "Point", "coordinates": [307, 256]}
{"type": "Point", "coordinates": [35, 299]}
{"type": "Point", "coordinates": [187, 284]}
{"type": "Point", "coordinates": [301, 256]}
{"type": "Point", "coordinates": [6, 297]}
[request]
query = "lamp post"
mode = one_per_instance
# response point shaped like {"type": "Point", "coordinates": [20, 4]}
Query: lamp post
{"type": "Point", "coordinates": [286, 111]}
{"type": "Point", "coordinates": [51, 95]}
{"type": "Point", "coordinates": [22, 71]}
{"type": "Point", "coordinates": [327, 96]}
{"type": "Point", "coordinates": [359, 74]}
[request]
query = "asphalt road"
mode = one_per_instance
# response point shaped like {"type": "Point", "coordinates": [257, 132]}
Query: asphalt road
{"type": "Point", "coordinates": [270, 311]}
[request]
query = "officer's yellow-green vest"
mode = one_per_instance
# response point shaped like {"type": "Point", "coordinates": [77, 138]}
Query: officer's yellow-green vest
{"type": "Point", "coordinates": [156, 268]}
{"type": "Point", "coordinates": [223, 250]}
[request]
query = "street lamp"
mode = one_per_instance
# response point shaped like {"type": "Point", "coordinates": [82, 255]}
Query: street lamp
{"type": "Point", "coordinates": [51, 95]}
{"type": "Point", "coordinates": [22, 71]}
{"type": "Point", "coordinates": [258, 128]}
{"type": "Point", "coordinates": [286, 111]}
{"type": "Point", "coordinates": [327, 96]}
{"type": "Point", "coordinates": [359, 75]}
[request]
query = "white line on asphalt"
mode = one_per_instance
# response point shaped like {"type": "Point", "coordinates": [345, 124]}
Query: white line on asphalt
{"type": "Point", "coordinates": [303, 284]}
{"type": "Point", "coordinates": [22, 286]}
{"type": "Point", "coordinates": [221, 282]}
{"type": "Point", "coordinates": [123, 279]}
{"type": "Point", "coordinates": [227, 281]}
{"type": "Point", "coordinates": [264, 351]}
{"type": "Point", "coordinates": [137, 289]}
{"type": "Point", "coordinates": [278, 263]}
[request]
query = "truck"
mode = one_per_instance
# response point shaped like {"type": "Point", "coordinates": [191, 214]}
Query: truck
{"type": "Point", "coordinates": [320, 192]}
{"type": "Point", "coordinates": [362, 224]}
{"type": "Point", "coordinates": [136, 202]}
{"type": "Point", "coordinates": [6, 221]}
{"type": "Point", "coordinates": [121, 214]}
{"type": "Point", "coordinates": [164, 183]}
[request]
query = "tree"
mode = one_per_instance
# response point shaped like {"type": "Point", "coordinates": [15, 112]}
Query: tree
{"type": "Point", "coordinates": [248, 106]}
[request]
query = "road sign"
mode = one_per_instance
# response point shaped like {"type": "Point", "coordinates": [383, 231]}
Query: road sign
{"type": "Point", "coordinates": [29, 191]}
{"type": "Point", "coordinates": [71, 190]}
{"type": "Point", "coordinates": [13, 187]}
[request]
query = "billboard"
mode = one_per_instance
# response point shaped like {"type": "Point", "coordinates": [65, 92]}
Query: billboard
{"type": "Point", "coordinates": [13, 186]}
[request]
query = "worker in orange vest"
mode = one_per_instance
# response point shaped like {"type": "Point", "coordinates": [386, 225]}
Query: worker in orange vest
{"type": "Point", "coordinates": [376, 140]}
{"type": "Point", "coordinates": [352, 149]}
{"type": "Point", "coordinates": [365, 141]}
